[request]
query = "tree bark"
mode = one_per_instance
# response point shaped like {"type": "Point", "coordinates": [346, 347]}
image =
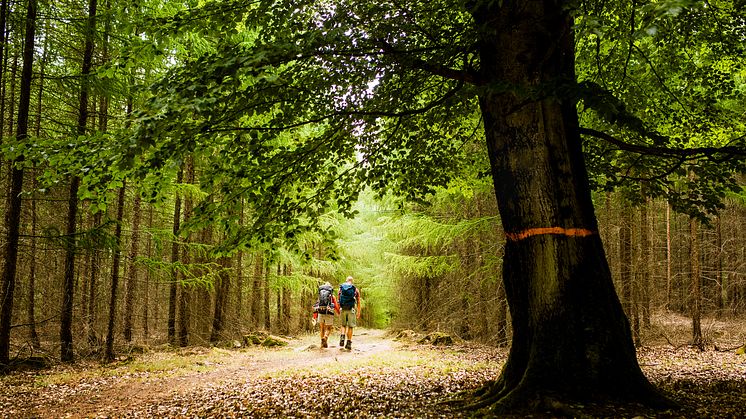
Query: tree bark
{"type": "Point", "coordinates": [571, 339]}
{"type": "Point", "coordinates": [13, 208]}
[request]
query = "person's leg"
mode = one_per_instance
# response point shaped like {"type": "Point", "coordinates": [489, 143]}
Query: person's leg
{"type": "Point", "coordinates": [351, 323]}
{"type": "Point", "coordinates": [343, 323]}
{"type": "Point", "coordinates": [328, 330]}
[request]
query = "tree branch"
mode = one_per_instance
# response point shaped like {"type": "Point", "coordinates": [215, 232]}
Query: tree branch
{"type": "Point", "coordinates": [726, 152]}
{"type": "Point", "coordinates": [436, 69]}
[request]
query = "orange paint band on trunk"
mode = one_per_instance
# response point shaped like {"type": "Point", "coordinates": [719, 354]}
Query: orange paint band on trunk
{"type": "Point", "coordinates": [539, 231]}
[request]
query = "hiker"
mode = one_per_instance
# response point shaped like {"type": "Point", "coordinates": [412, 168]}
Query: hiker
{"type": "Point", "coordinates": [349, 302]}
{"type": "Point", "coordinates": [323, 312]}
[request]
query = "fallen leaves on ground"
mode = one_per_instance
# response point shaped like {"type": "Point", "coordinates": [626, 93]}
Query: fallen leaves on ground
{"type": "Point", "coordinates": [381, 379]}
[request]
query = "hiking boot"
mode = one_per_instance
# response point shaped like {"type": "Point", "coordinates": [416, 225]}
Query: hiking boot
{"type": "Point", "coordinates": [323, 343]}
{"type": "Point", "coordinates": [342, 341]}
{"type": "Point", "coordinates": [349, 345]}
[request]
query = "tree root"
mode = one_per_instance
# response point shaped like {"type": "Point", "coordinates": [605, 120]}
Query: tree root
{"type": "Point", "coordinates": [495, 399]}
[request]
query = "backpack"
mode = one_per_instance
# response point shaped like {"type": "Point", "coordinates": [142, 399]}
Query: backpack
{"type": "Point", "coordinates": [347, 296]}
{"type": "Point", "coordinates": [324, 304]}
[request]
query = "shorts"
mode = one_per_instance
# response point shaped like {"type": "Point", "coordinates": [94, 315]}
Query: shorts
{"type": "Point", "coordinates": [326, 319]}
{"type": "Point", "coordinates": [348, 318]}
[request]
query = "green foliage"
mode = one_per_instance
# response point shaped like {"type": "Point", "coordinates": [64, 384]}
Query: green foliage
{"type": "Point", "coordinates": [664, 81]}
{"type": "Point", "coordinates": [300, 114]}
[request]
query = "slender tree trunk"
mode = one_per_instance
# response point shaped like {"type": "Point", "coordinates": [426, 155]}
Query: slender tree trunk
{"type": "Point", "coordinates": [3, 58]}
{"type": "Point", "coordinates": [95, 263]}
{"type": "Point", "coordinates": [696, 281]}
{"type": "Point", "coordinates": [668, 256]}
{"type": "Point", "coordinates": [625, 257]}
{"type": "Point", "coordinates": [109, 356]}
{"type": "Point", "coordinates": [221, 296]}
{"type": "Point", "coordinates": [286, 304]}
{"type": "Point", "coordinates": [173, 286]}
{"type": "Point", "coordinates": [184, 294]}
{"type": "Point", "coordinates": [5, 34]}
{"type": "Point", "coordinates": [66, 336]}
{"type": "Point", "coordinates": [13, 206]}
{"type": "Point", "coordinates": [239, 318]}
{"type": "Point", "coordinates": [646, 263]}
{"type": "Point", "coordinates": [12, 101]}
{"type": "Point", "coordinates": [146, 305]}
{"type": "Point", "coordinates": [182, 334]}
{"type": "Point", "coordinates": [571, 339]}
{"type": "Point", "coordinates": [132, 271]}
{"type": "Point", "coordinates": [265, 288]}
{"type": "Point", "coordinates": [256, 290]}
{"type": "Point", "coordinates": [66, 318]}
{"type": "Point", "coordinates": [135, 241]}
{"type": "Point", "coordinates": [722, 296]}
{"type": "Point", "coordinates": [33, 334]}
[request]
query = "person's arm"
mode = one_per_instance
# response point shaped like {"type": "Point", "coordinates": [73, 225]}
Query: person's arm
{"type": "Point", "coordinates": [359, 298]}
{"type": "Point", "coordinates": [336, 305]}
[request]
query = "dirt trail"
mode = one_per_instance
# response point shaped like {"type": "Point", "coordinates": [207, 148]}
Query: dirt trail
{"type": "Point", "coordinates": [121, 394]}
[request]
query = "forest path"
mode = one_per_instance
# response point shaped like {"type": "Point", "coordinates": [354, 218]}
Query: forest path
{"type": "Point", "coordinates": [380, 377]}
{"type": "Point", "coordinates": [119, 394]}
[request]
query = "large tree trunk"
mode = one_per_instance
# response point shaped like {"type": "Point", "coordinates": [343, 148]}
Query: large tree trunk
{"type": "Point", "coordinates": [13, 208]}
{"type": "Point", "coordinates": [571, 339]}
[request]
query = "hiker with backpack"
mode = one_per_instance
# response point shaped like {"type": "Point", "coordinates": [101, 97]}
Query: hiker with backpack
{"type": "Point", "coordinates": [323, 312]}
{"type": "Point", "coordinates": [349, 302]}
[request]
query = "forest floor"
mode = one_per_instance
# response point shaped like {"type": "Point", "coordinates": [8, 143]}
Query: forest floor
{"type": "Point", "coordinates": [383, 376]}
